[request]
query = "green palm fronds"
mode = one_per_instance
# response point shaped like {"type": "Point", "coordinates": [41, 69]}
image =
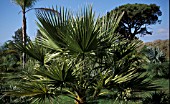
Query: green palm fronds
{"type": "Point", "coordinates": [80, 34]}
{"type": "Point", "coordinates": [84, 56]}
{"type": "Point", "coordinates": [34, 50]}
{"type": "Point", "coordinates": [25, 3]}
{"type": "Point", "coordinates": [35, 92]}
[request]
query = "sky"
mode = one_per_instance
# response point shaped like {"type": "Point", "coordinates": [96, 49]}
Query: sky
{"type": "Point", "coordinates": [11, 19]}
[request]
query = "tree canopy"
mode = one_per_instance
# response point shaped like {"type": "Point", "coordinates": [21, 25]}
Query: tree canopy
{"type": "Point", "coordinates": [17, 38]}
{"type": "Point", "coordinates": [136, 19]}
{"type": "Point", "coordinates": [25, 3]}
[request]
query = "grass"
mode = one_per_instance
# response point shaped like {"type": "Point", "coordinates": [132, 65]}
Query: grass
{"type": "Point", "coordinates": [64, 100]}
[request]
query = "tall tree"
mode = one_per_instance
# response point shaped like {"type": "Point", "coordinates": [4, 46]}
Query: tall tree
{"type": "Point", "coordinates": [24, 4]}
{"type": "Point", "coordinates": [17, 38]}
{"type": "Point", "coordinates": [136, 19]}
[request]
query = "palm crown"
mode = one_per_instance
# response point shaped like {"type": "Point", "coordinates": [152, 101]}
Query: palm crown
{"type": "Point", "coordinates": [79, 57]}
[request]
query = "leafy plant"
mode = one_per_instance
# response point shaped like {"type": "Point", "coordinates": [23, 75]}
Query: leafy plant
{"type": "Point", "coordinates": [154, 54]}
{"type": "Point", "coordinates": [159, 70]}
{"type": "Point", "coordinates": [157, 98]}
{"type": "Point", "coordinates": [84, 56]}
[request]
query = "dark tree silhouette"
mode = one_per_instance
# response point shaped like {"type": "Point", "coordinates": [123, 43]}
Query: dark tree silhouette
{"type": "Point", "coordinates": [17, 38]}
{"type": "Point", "coordinates": [136, 19]}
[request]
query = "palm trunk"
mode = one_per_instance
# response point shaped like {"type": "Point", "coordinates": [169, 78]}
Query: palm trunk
{"type": "Point", "coordinates": [80, 100]}
{"type": "Point", "coordinates": [81, 92]}
{"type": "Point", "coordinates": [23, 36]}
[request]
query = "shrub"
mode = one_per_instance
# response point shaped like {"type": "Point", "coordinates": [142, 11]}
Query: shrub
{"type": "Point", "coordinates": [160, 70]}
{"type": "Point", "coordinates": [157, 98]}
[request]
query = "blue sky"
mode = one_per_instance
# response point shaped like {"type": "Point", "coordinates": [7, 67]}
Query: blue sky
{"type": "Point", "coordinates": [10, 20]}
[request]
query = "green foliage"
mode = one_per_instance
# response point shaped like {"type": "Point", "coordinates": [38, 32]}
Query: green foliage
{"type": "Point", "coordinates": [79, 56]}
{"type": "Point", "coordinates": [9, 57]}
{"type": "Point", "coordinates": [25, 3]}
{"type": "Point", "coordinates": [162, 44]}
{"type": "Point", "coordinates": [157, 98]}
{"type": "Point", "coordinates": [159, 70]}
{"type": "Point", "coordinates": [136, 18]}
{"type": "Point", "coordinates": [158, 65]}
{"type": "Point", "coordinates": [17, 38]}
{"type": "Point", "coordinates": [9, 67]}
{"type": "Point", "coordinates": [164, 83]}
{"type": "Point", "coordinates": [33, 49]}
{"type": "Point", "coordinates": [154, 54]}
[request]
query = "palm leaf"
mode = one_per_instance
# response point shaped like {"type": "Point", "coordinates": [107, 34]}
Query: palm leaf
{"type": "Point", "coordinates": [57, 73]}
{"type": "Point", "coordinates": [34, 50]}
{"type": "Point", "coordinates": [35, 91]}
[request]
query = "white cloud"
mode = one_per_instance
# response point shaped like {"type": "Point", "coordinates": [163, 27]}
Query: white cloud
{"type": "Point", "coordinates": [162, 31]}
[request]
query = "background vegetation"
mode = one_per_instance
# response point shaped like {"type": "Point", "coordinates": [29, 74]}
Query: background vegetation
{"type": "Point", "coordinates": [81, 59]}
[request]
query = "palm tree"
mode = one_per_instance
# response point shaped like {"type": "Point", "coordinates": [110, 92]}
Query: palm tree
{"type": "Point", "coordinates": [84, 56]}
{"type": "Point", "coordinates": [24, 4]}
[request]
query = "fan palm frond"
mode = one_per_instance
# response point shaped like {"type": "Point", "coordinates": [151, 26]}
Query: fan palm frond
{"type": "Point", "coordinates": [34, 50]}
{"type": "Point", "coordinates": [35, 92]}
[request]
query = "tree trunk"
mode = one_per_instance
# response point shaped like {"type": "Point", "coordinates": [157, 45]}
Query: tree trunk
{"type": "Point", "coordinates": [23, 36]}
